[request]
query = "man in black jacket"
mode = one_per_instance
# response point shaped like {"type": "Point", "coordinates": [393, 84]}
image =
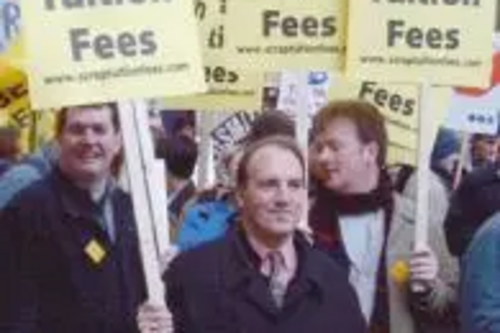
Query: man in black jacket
{"type": "Point", "coordinates": [475, 200]}
{"type": "Point", "coordinates": [69, 258]}
{"type": "Point", "coordinates": [263, 276]}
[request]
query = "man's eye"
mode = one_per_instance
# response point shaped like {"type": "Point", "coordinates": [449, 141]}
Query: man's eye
{"type": "Point", "coordinates": [296, 184]}
{"type": "Point", "coordinates": [76, 129]}
{"type": "Point", "coordinates": [268, 184]}
{"type": "Point", "coordinates": [99, 130]}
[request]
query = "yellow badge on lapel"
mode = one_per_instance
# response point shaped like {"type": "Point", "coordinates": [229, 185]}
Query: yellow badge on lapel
{"type": "Point", "coordinates": [95, 251]}
{"type": "Point", "coordinates": [400, 272]}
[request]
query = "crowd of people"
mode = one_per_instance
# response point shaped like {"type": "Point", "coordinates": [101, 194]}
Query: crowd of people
{"type": "Point", "coordinates": [284, 243]}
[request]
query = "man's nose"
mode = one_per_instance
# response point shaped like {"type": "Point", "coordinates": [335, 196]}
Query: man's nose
{"type": "Point", "coordinates": [324, 155]}
{"type": "Point", "coordinates": [283, 195]}
{"type": "Point", "coordinates": [89, 136]}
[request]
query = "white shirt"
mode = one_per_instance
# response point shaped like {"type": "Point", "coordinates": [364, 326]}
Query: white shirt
{"type": "Point", "coordinates": [363, 237]}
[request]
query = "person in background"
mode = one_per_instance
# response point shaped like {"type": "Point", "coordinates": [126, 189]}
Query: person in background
{"type": "Point", "coordinates": [475, 200]}
{"type": "Point", "coordinates": [9, 148]}
{"type": "Point", "coordinates": [484, 150]}
{"type": "Point", "coordinates": [185, 125]}
{"type": "Point", "coordinates": [263, 276]}
{"type": "Point", "coordinates": [480, 280]}
{"type": "Point", "coordinates": [367, 228]}
{"type": "Point", "coordinates": [445, 157]}
{"type": "Point", "coordinates": [180, 154]}
{"type": "Point", "coordinates": [27, 171]}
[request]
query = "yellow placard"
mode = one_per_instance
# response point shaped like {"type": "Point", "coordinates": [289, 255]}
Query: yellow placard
{"type": "Point", "coordinates": [35, 128]}
{"type": "Point", "coordinates": [286, 34]}
{"type": "Point", "coordinates": [14, 103]}
{"type": "Point", "coordinates": [241, 91]}
{"type": "Point", "coordinates": [228, 88]}
{"type": "Point", "coordinates": [95, 51]}
{"type": "Point", "coordinates": [442, 42]}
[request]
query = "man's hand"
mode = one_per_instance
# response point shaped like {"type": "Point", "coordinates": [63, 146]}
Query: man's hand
{"type": "Point", "coordinates": [424, 268]}
{"type": "Point", "coordinates": [154, 319]}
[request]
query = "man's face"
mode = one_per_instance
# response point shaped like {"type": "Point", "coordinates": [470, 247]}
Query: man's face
{"type": "Point", "coordinates": [274, 197]}
{"type": "Point", "coordinates": [485, 149]}
{"type": "Point", "coordinates": [341, 160]}
{"type": "Point", "coordinates": [89, 142]}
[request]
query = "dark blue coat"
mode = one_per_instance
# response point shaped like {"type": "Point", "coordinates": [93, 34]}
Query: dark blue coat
{"type": "Point", "coordinates": [476, 200]}
{"type": "Point", "coordinates": [217, 288]}
{"type": "Point", "coordinates": [60, 270]}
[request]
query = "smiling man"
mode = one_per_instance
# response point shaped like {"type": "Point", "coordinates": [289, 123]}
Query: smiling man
{"type": "Point", "coordinates": [68, 248]}
{"type": "Point", "coordinates": [263, 276]}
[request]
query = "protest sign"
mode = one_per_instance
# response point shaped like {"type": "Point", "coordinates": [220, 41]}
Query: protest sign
{"type": "Point", "coordinates": [286, 34]}
{"type": "Point", "coordinates": [82, 51]}
{"type": "Point", "coordinates": [229, 88]}
{"type": "Point", "coordinates": [443, 42]}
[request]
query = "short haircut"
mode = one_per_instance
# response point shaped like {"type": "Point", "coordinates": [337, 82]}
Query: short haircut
{"type": "Point", "coordinates": [187, 119]}
{"type": "Point", "coordinates": [180, 154]}
{"type": "Point", "coordinates": [62, 115]}
{"type": "Point", "coordinates": [369, 123]}
{"type": "Point", "coordinates": [279, 141]}
{"type": "Point", "coordinates": [270, 123]}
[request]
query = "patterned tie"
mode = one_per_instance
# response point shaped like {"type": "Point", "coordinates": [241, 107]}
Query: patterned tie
{"type": "Point", "coordinates": [277, 277]}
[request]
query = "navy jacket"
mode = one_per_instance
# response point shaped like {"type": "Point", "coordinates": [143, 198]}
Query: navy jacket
{"type": "Point", "coordinates": [480, 281]}
{"type": "Point", "coordinates": [217, 287]}
{"type": "Point", "coordinates": [60, 270]}
{"type": "Point", "coordinates": [475, 200]}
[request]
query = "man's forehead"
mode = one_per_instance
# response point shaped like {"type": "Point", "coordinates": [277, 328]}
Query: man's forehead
{"type": "Point", "coordinates": [94, 114]}
{"type": "Point", "coordinates": [337, 128]}
{"type": "Point", "coordinates": [268, 156]}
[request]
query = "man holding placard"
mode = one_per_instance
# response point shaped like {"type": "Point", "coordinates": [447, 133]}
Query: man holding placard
{"type": "Point", "coordinates": [367, 228]}
{"type": "Point", "coordinates": [69, 252]}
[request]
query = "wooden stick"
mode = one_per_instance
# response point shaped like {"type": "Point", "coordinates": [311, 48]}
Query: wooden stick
{"type": "Point", "coordinates": [302, 127]}
{"type": "Point", "coordinates": [423, 171]}
{"type": "Point", "coordinates": [457, 177]}
{"type": "Point", "coordinates": [155, 178]}
{"type": "Point", "coordinates": [142, 211]}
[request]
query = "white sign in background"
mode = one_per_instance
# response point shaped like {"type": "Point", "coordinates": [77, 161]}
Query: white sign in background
{"type": "Point", "coordinates": [316, 92]}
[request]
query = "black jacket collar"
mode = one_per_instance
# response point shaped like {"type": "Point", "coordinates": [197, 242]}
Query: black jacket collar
{"type": "Point", "coordinates": [242, 275]}
{"type": "Point", "coordinates": [76, 202]}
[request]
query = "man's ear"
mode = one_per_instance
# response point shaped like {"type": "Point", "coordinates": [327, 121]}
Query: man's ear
{"type": "Point", "coordinates": [239, 198]}
{"type": "Point", "coordinates": [118, 142]}
{"type": "Point", "coordinates": [371, 152]}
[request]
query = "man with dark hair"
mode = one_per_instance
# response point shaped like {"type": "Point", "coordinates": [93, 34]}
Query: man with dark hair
{"type": "Point", "coordinates": [368, 229]}
{"type": "Point", "coordinates": [69, 257]}
{"type": "Point", "coordinates": [180, 154]}
{"type": "Point", "coordinates": [475, 200]}
{"type": "Point", "coordinates": [484, 150]}
{"type": "Point", "coordinates": [185, 125]}
{"type": "Point", "coordinates": [263, 276]}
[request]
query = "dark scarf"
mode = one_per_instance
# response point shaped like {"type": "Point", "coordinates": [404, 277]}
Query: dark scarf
{"type": "Point", "coordinates": [323, 219]}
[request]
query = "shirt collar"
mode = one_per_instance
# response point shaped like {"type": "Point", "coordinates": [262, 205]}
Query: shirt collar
{"type": "Point", "coordinates": [77, 201]}
{"type": "Point", "coordinates": [287, 251]}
